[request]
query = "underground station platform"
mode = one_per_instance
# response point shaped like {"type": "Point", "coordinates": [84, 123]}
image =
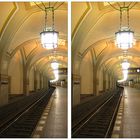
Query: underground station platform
{"type": "Point", "coordinates": [114, 115]}
{"type": "Point", "coordinates": [40, 115]}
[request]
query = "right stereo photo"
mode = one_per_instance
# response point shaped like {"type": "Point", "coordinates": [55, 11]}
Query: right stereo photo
{"type": "Point", "coordinates": [105, 69]}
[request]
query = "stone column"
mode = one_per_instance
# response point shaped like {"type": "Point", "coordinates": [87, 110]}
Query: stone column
{"type": "Point", "coordinates": [40, 81]}
{"type": "Point", "coordinates": [45, 82]}
{"type": "Point", "coordinates": [104, 81]}
{"type": "Point", "coordinates": [4, 84]}
{"type": "Point", "coordinates": [95, 81]}
{"type": "Point", "coordinates": [76, 89]}
{"type": "Point", "coordinates": [4, 78]}
{"type": "Point", "coordinates": [76, 80]}
{"type": "Point", "coordinates": [108, 81]}
{"type": "Point", "coordinates": [25, 81]}
{"type": "Point", "coordinates": [35, 80]}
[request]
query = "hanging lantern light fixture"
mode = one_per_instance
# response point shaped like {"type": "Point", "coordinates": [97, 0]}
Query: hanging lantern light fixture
{"type": "Point", "coordinates": [125, 65]}
{"type": "Point", "coordinates": [49, 37]}
{"type": "Point", "coordinates": [125, 36]}
{"type": "Point", "coordinates": [54, 65]}
{"type": "Point", "coordinates": [125, 74]}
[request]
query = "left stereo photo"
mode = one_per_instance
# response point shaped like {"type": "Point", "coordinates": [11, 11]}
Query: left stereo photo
{"type": "Point", "coordinates": [33, 69]}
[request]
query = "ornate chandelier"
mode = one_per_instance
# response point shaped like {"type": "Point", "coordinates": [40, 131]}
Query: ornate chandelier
{"type": "Point", "coordinates": [125, 65]}
{"type": "Point", "coordinates": [54, 65]}
{"type": "Point", "coordinates": [124, 37]}
{"type": "Point", "coordinates": [125, 74]}
{"type": "Point", "coordinates": [49, 37]}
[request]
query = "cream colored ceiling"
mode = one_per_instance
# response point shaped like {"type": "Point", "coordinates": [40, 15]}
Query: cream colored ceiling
{"type": "Point", "coordinates": [95, 31]}
{"type": "Point", "coordinates": [82, 11]}
{"type": "Point", "coordinates": [6, 15]}
{"type": "Point", "coordinates": [35, 24]}
{"type": "Point", "coordinates": [20, 27]}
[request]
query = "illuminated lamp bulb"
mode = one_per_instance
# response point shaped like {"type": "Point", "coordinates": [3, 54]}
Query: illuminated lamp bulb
{"type": "Point", "coordinates": [125, 65]}
{"type": "Point", "coordinates": [54, 65]}
{"type": "Point", "coordinates": [125, 38]}
{"type": "Point", "coordinates": [49, 39]}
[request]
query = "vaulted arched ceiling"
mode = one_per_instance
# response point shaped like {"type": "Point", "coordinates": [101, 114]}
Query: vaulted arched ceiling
{"type": "Point", "coordinates": [20, 27]}
{"type": "Point", "coordinates": [93, 29]}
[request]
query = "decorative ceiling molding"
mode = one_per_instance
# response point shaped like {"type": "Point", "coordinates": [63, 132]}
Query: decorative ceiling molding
{"type": "Point", "coordinates": [31, 5]}
{"type": "Point", "coordinates": [81, 19]}
{"type": "Point", "coordinates": [12, 52]}
{"type": "Point", "coordinates": [8, 18]}
{"type": "Point", "coordinates": [94, 46]}
{"type": "Point", "coordinates": [105, 5]}
{"type": "Point", "coordinates": [45, 54]}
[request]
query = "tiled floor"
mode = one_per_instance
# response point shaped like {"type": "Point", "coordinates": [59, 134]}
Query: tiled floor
{"type": "Point", "coordinates": [130, 116]}
{"type": "Point", "coordinates": [131, 124]}
{"type": "Point", "coordinates": [53, 123]}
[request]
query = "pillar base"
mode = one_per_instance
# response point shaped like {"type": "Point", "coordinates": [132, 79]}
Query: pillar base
{"type": "Point", "coordinates": [4, 84]}
{"type": "Point", "coordinates": [76, 89]}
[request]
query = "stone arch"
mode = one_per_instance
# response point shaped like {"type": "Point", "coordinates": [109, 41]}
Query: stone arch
{"type": "Point", "coordinates": [86, 74]}
{"type": "Point", "coordinates": [15, 71]}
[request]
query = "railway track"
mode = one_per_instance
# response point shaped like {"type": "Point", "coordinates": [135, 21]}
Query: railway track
{"type": "Point", "coordinates": [100, 123]}
{"type": "Point", "coordinates": [23, 124]}
{"type": "Point", "coordinates": [82, 111]}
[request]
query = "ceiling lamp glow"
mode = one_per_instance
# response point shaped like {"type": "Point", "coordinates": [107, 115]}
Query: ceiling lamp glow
{"type": "Point", "coordinates": [56, 76]}
{"type": "Point", "coordinates": [125, 39]}
{"type": "Point", "coordinates": [54, 65]}
{"type": "Point", "coordinates": [138, 70]}
{"type": "Point", "coordinates": [49, 39]}
{"type": "Point", "coordinates": [125, 74]}
{"type": "Point", "coordinates": [49, 36]}
{"type": "Point", "coordinates": [125, 65]}
{"type": "Point", "coordinates": [56, 71]}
